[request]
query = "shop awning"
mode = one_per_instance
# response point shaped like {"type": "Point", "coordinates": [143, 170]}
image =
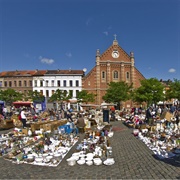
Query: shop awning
{"type": "Point", "coordinates": [89, 105]}
{"type": "Point", "coordinates": [22, 103]}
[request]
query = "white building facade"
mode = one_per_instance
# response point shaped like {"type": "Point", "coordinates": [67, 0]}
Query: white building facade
{"type": "Point", "coordinates": [52, 80]}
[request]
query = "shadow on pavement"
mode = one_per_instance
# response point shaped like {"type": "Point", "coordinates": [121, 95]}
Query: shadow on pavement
{"type": "Point", "coordinates": [174, 161]}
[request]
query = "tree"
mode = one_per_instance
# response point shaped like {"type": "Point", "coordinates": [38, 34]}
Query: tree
{"type": "Point", "coordinates": [35, 96]}
{"type": "Point", "coordinates": [10, 96]}
{"type": "Point", "coordinates": [174, 90]}
{"type": "Point", "coordinates": [85, 97]}
{"type": "Point", "coordinates": [150, 91]}
{"type": "Point", "coordinates": [117, 92]}
{"type": "Point", "coordinates": [59, 96]}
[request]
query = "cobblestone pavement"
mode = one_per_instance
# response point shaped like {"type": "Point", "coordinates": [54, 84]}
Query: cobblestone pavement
{"type": "Point", "coordinates": [133, 161]}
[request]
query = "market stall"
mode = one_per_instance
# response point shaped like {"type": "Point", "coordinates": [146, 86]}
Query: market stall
{"type": "Point", "coordinates": [162, 136]}
{"type": "Point", "coordinates": [47, 142]}
{"type": "Point", "coordinates": [94, 149]}
{"type": "Point", "coordinates": [19, 104]}
{"type": "Point", "coordinates": [39, 146]}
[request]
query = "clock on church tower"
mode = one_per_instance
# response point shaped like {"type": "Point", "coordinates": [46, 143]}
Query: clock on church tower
{"type": "Point", "coordinates": [115, 54]}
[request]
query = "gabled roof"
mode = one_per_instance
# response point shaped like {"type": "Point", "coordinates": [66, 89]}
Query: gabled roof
{"type": "Point", "coordinates": [40, 72]}
{"type": "Point", "coordinates": [107, 54]}
{"type": "Point", "coordinates": [17, 73]}
{"type": "Point", "coordinates": [65, 72]}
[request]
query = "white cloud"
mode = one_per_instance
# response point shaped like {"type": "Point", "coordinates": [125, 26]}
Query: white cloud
{"type": "Point", "coordinates": [106, 33]}
{"type": "Point", "coordinates": [68, 54]}
{"type": "Point", "coordinates": [46, 60]}
{"type": "Point", "coordinates": [172, 70]}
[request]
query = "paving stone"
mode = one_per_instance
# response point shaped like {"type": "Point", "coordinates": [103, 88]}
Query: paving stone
{"type": "Point", "coordinates": [134, 160]}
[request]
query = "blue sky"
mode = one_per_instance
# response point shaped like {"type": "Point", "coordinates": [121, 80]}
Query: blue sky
{"type": "Point", "coordinates": [63, 34]}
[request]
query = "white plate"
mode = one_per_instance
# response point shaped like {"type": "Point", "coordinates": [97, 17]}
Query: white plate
{"type": "Point", "coordinates": [89, 158]}
{"type": "Point", "coordinates": [89, 155]}
{"type": "Point", "coordinates": [75, 154]}
{"type": "Point", "coordinates": [96, 159]}
{"type": "Point", "coordinates": [108, 162]}
{"type": "Point", "coordinates": [75, 157]}
{"type": "Point", "coordinates": [89, 163]}
{"type": "Point", "coordinates": [97, 163]}
{"type": "Point", "coordinates": [110, 159]}
{"type": "Point", "coordinates": [62, 151]}
{"type": "Point", "coordinates": [81, 162]}
{"type": "Point", "coordinates": [82, 155]}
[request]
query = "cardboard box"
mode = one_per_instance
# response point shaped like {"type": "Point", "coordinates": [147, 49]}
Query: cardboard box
{"type": "Point", "coordinates": [167, 116]}
{"type": "Point", "coordinates": [48, 127]}
{"type": "Point", "coordinates": [38, 125]}
{"type": "Point", "coordinates": [143, 126]}
{"type": "Point", "coordinates": [25, 131]}
{"type": "Point", "coordinates": [41, 124]}
{"type": "Point", "coordinates": [88, 129]}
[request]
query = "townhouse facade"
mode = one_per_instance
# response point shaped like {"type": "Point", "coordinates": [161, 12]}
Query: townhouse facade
{"type": "Point", "coordinates": [65, 80]}
{"type": "Point", "coordinates": [44, 81]}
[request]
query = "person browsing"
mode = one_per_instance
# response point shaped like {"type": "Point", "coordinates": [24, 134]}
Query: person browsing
{"type": "Point", "coordinates": [23, 117]}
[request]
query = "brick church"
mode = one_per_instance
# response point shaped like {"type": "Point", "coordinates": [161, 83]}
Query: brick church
{"type": "Point", "coordinates": [112, 65]}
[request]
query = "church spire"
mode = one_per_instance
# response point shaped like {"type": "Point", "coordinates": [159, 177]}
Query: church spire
{"type": "Point", "coordinates": [115, 42]}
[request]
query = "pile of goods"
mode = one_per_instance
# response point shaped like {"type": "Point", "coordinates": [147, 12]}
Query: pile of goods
{"type": "Point", "coordinates": [46, 148]}
{"type": "Point", "coordinates": [94, 149]}
{"type": "Point", "coordinates": [163, 137]}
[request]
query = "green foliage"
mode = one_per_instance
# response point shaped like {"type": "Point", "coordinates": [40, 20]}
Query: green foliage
{"type": "Point", "coordinates": [35, 96]}
{"type": "Point", "coordinates": [10, 96]}
{"type": "Point", "coordinates": [174, 90]}
{"type": "Point", "coordinates": [60, 95]}
{"type": "Point", "coordinates": [85, 97]}
{"type": "Point", "coordinates": [117, 92]}
{"type": "Point", "coordinates": [150, 91]}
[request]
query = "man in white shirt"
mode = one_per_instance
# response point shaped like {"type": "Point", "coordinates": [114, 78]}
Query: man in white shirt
{"type": "Point", "coordinates": [23, 117]}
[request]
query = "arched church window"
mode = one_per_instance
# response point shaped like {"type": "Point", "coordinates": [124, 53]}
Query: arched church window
{"type": "Point", "coordinates": [103, 75]}
{"type": "Point", "coordinates": [115, 75]}
{"type": "Point", "coordinates": [127, 76]}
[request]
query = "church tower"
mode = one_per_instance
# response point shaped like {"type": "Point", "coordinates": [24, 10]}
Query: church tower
{"type": "Point", "coordinates": [113, 65]}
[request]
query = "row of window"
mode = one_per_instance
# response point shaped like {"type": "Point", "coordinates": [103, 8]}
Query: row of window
{"type": "Point", "coordinates": [48, 93]}
{"type": "Point", "coordinates": [52, 83]}
{"type": "Point", "coordinates": [59, 84]}
{"type": "Point", "coordinates": [47, 83]}
{"type": "Point", "coordinates": [16, 83]}
{"type": "Point", "coordinates": [115, 75]}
